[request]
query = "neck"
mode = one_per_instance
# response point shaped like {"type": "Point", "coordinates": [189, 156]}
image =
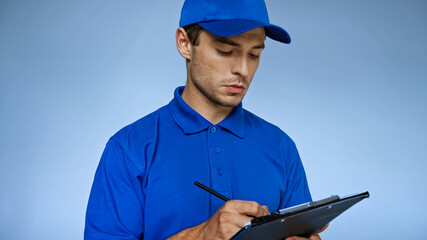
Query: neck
{"type": "Point", "coordinates": [212, 112]}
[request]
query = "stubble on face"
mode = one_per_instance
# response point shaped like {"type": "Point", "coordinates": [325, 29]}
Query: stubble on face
{"type": "Point", "coordinates": [210, 73]}
{"type": "Point", "coordinates": [207, 84]}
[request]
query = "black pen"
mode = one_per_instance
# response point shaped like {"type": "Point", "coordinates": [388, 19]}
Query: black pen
{"type": "Point", "coordinates": [210, 191]}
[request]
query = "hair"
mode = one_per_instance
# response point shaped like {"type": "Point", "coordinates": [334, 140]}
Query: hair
{"type": "Point", "coordinates": [193, 32]}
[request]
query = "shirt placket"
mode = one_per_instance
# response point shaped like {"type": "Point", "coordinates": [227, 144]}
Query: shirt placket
{"type": "Point", "coordinates": [217, 167]}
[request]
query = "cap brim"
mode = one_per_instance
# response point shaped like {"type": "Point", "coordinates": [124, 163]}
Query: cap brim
{"type": "Point", "coordinates": [232, 27]}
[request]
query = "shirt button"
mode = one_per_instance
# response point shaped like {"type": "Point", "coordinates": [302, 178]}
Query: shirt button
{"type": "Point", "coordinates": [217, 149]}
{"type": "Point", "coordinates": [220, 171]}
{"type": "Point", "coordinates": [213, 129]}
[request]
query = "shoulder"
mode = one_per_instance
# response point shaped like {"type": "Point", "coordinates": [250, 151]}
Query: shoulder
{"type": "Point", "coordinates": [141, 128]}
{"type": "Point", "coordinates": [139, 138]}
{"type": "Point", "coordinates": [257, 125]}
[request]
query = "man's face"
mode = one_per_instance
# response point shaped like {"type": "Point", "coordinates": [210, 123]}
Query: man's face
{"type": "Point", "coordinates": [221, 68]}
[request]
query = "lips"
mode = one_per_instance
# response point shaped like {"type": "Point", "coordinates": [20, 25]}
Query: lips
{"type": "Point", "coordinates": [235, 88]}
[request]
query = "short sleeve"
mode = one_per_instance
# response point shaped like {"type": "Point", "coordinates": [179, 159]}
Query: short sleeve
{"type": "Point", "coordinates": [297, 191]}
{"type": "Point", "coordinates": [116, 203]}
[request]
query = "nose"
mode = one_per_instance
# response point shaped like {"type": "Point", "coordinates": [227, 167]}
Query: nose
{"type": "Point", "coordinates": [240, 67]}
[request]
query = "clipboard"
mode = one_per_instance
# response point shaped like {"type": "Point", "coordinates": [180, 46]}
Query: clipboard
{"type": "Point", "coordinates": [301, 220]}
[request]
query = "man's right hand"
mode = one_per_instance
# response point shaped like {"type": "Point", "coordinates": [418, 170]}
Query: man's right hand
{"type": "Point", "coordinates": [226, 222]}
{"type": "Point", "coordinates": [230, 218]}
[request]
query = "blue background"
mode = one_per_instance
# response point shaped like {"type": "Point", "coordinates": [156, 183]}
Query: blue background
{"type": "Point", "coordinates": [350, 90]}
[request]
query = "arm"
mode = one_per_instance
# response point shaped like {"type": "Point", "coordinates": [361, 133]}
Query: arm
{"type": "Point", "coordinates": [297, 185]}
{"type": "Point", "coordinates": [297, 190]}
{"type": "Point", "coordinates": [226, 222]}
{"type": "Point", "coordinates": [116, 203]}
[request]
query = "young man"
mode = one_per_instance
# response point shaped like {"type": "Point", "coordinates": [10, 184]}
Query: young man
{"type": "Point", "coordinates": [143, 187]}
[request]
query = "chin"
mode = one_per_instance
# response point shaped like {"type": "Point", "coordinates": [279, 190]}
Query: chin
{"type": "Point", "coordinates": [230, 102]}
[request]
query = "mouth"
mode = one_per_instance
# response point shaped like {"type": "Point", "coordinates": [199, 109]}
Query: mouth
{"type": "Point", "coordinates": [235, 88]}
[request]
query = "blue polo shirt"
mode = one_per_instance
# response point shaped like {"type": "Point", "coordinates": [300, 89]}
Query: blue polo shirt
{"type": "Point", "coordinates": [144, 184]}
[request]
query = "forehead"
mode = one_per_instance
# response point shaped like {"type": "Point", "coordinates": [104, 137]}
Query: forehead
{"type": "Point", "coordinates": [251, 38]}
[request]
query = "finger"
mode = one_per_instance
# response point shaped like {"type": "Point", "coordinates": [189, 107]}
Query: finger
{"type": "Point", "coordinates": [315, 237]}
{"type": "Point", "coordinates": [261, 210]}
{"type": "Point", "coordinates": [312, 237]}
{"type": "Point", "coordinates": [323, 228]}
{"type": "Point", "coordinates": [241, 220]}
{"type": "Point", "coordinates": [296, 238]}
{"type": "Point", "coordinates": [266, 212]}
{"type": "Point", "coordinates": [228, 225]}
{"type": "Point", "coordinates": [233, 218]}
{"type": "Point", "coordinates": [249, 208]}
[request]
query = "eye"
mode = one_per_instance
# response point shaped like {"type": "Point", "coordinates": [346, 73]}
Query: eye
{"type": "Point", "coordinates": [224, 53]}
{"type": "Point", "coordinates": [253, 56]}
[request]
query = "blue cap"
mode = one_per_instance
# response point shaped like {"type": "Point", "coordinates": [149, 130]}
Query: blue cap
{"type": "Point", "coordinates": [228, 18]}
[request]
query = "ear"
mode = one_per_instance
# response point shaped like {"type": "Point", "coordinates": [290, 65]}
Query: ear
{"type": "Point", "coordinates": [183, 44]}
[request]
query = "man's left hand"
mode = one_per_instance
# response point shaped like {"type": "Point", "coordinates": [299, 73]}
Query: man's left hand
{"type": "Point", "coordinates": [312, 237]}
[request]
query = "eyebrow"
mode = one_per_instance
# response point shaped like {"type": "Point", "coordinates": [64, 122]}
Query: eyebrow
{"type": "Point", "coordinates": [232, 43]}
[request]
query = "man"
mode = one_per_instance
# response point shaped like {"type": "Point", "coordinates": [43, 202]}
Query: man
{"type": "Point", "coordinates": [143, 187]}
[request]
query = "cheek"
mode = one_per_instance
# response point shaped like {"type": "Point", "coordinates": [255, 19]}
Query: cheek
{"type": "Point", "coordinates": [253, 66]}
{"type": "Point", "coordinates": [198, 67]}
{"type": "Point", "coordinates": [204, 72]}
{"type": "Point", "coordinates": [215, 64]}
